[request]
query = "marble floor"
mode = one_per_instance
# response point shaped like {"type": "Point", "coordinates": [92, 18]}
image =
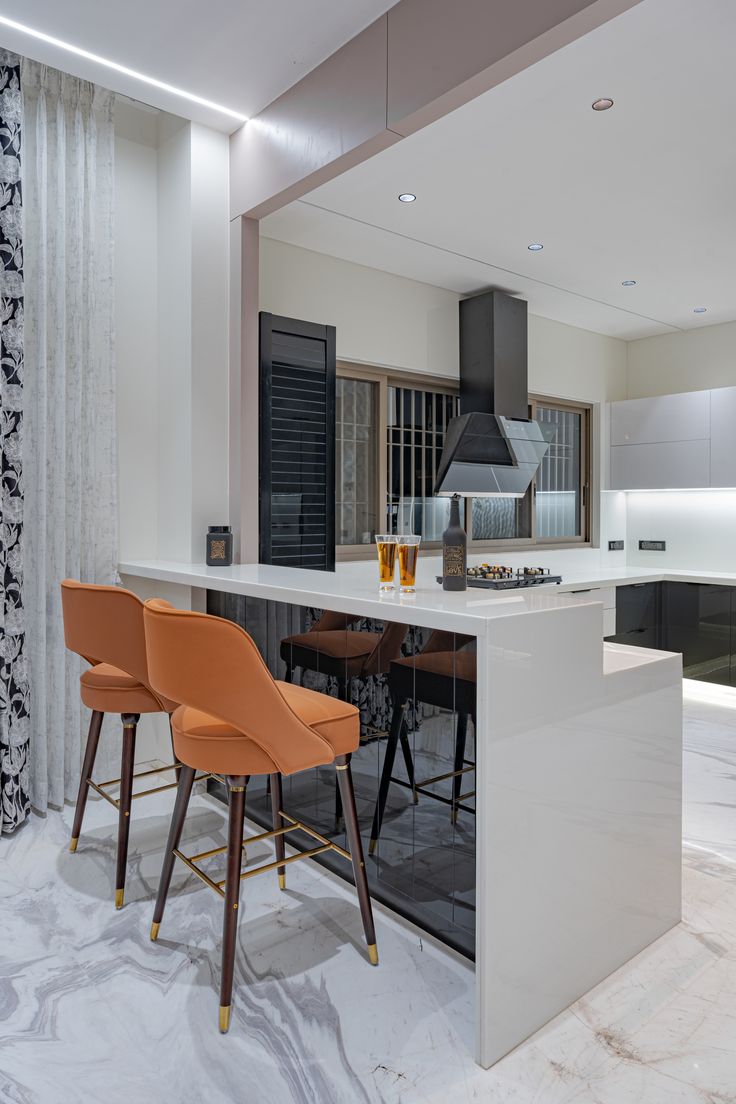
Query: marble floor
{"type": "Point", "coordinates": [91, 1011]}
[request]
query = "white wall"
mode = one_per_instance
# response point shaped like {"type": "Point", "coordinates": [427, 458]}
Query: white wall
{"type": "Point", "coordinates": [172, 332]}
{"type": "Point", "coordinates": [693, 360]}
{"type": "Point", "coordinates": [136, 328]}
{"type": "Point", "coordinates": [172, 344]}
{"type": "Point", "coordinates": [389, 321]}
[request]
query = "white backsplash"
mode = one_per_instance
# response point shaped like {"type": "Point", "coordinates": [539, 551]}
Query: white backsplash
{"type": "Point", "coordinates": [698, 526]}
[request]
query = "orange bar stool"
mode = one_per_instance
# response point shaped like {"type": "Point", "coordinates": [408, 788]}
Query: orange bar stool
{"type": "Point", "coordinates": [104, 625]}
{"type": "Point", "coordinates": [235, 720]}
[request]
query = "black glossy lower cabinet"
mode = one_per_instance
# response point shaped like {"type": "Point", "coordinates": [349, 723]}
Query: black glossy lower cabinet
{"type": "Point", "coordinates": [696, 619]}
{"type": "Point", "coordinates": [639, 615]}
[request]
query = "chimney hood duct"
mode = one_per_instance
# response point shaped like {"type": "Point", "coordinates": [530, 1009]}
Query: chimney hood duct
{"type": "Point", "coordinates": [492, 448]}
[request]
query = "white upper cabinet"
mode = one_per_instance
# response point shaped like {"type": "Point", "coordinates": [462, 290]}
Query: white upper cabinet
{"type": "Point", "coordinates": [663, 418]}
{"type": "Point", "coordinates": [665, 465]}
{"type": "Point", "coordinates": [672, 441]}
{"type": "Point", "coordinates": [723, 437]}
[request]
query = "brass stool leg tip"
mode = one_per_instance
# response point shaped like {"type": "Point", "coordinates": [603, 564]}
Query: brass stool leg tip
{"type": "Point", "coordinates": [373, 954]}
{"type": "Point", "coordinates": [372, 846]}
{"type": "Point", "coordinates": [154, 931]}
{"type": "Point", "coordinates": [282, 881]}
{"type": "Point", "coordinates": [119, 895]}
{"type": "Point", "coordinates": [73, 843]}
{"type": "Point", "coordinates": [224, 1018]}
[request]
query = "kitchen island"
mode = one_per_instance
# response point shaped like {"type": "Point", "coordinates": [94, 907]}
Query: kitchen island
{"type": "Point", "coordinates": [576, 822]}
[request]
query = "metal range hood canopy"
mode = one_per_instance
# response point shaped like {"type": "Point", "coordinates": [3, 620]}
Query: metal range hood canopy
{"type": "Point", "coordinates": [493, 448]}
{"type": "Point", "coordinates": [488, 456]}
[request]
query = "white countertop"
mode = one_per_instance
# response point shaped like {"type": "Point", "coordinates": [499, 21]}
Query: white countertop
{"type": "Point", "coordinates": [353, 588]}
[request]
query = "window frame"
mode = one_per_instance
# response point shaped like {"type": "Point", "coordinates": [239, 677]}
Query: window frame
{"type": "Point", "coordinates": [584, 540]}
{"type": "Point", "coordinates": [385, 377]}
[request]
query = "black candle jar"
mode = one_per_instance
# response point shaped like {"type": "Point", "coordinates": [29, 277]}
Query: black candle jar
{"type": "Point", "coordinates": [219, 546]}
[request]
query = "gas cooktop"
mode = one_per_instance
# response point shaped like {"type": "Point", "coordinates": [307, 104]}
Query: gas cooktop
{"type": "Point", "coordinates": [497, 577]}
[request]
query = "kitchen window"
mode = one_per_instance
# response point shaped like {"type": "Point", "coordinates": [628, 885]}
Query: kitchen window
{"type": "Point", "coordinates": [390, 434]}
{"type": "Point", "coordinates": [556, 508]}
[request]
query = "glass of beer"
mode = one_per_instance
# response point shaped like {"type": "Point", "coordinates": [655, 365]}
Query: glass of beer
{"type": "Point", "coordinates": [386, 548]}
{"type": "Point", "coordinates": [408, 552]}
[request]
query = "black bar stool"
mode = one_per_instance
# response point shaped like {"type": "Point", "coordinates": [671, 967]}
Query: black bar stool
{"type": "Point", "coordinates": [447, 680]}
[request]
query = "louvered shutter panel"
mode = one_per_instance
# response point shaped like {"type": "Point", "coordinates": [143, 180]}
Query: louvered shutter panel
{"type": "Point", "coordinates": [297, 443]}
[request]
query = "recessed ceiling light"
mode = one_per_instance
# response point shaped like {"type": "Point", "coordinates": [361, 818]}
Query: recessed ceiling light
{"type": "Point", "coordinates": [407, 197]}
{"type": "Point", "coordinates": [602, 104]}
{"type": "Point", "coordinates": [628, 283]}
{"type": "Point", "coordinates": [699, 310]}
{"type": "Point", "coordinates": [120, 68]}
{"type": "Point", "coordinates": [535, 247]}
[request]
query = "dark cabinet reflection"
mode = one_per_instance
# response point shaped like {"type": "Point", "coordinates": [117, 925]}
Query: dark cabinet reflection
{"type": "Point", "coordinates": [415, 689]}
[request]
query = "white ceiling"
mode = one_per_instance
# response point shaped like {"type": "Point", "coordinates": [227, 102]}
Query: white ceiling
{"type": "Point", "coordinates": [238, 53]}
{"type": "Point", "coordinates": [644, 191]}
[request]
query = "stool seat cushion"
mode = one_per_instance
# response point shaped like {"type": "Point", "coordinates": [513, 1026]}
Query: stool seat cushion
{"type": "Point", "coordinates": [206, 743]}
{"type": "Point", "coordinates": [110, 690]}
{"type": "Point", "coordinates": [459, 665]}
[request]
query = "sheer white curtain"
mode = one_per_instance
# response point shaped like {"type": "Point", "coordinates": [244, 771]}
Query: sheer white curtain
{"type": "Point", "coordinates": [69, 445]}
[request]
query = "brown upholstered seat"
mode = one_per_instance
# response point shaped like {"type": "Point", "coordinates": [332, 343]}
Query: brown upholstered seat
{"type": "Point", "coordinates": [104, 625]}
{"type": "Point", "coordinates": [236, 720]}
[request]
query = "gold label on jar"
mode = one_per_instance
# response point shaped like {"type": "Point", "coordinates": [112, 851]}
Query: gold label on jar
{"type": "Point", "coordinates": [217, 550]}
{"type": "Point", "coordinates": [454, 560]}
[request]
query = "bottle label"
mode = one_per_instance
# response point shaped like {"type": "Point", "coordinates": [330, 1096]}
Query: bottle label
{"type": "Point", "coordinates": [453, 560]}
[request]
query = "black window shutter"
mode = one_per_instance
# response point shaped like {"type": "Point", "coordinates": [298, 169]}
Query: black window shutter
{"type": "Point", "coordinates": [297, 443]}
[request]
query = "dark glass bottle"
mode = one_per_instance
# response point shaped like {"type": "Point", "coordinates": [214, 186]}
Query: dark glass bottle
{"type": "Point", "coordinates": [219, 546]}
{"type": "Point", "coordinates": [454, 551]}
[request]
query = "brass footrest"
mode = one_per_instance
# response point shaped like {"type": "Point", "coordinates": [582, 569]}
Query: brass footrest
{"type": "Point", "coordinates": [443, 777]}
{"type": "Point", "coordinates": [101, 787]}
{"type": "Point", "coordinates": [292, 826]}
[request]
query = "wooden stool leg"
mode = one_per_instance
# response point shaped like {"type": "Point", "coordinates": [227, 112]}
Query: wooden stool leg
{"type": "Point", "coordinates": [186, 779]}
{"type": "Point", "coordinates": [397, 724]}
{"type": "Point", "coordinates": [355, 846]}
{"type": "Point", "coordinates": [177, 768]}
{"type": "Point", "coordinates": [232, 895]}
{"type": "Point", "coordinates": [130, 721]}
{"type": "Point", "coordinates": [277, 803]}
{"type": "Point", "coordinates": [460, 738]}
{"type": "Point", "coordinates": [93, 739]}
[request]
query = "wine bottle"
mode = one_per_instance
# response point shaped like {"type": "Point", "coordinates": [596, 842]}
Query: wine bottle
{"type": "Point", "coordinates": [454, 551]}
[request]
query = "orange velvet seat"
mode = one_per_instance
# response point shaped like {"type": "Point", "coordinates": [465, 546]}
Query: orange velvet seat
{"type": "Point", "coordinates": [110, 690]}
{"type": "Point", "coordinates": [206, 743]}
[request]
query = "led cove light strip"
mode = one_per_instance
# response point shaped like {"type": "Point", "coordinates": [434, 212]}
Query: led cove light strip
{"type": "Point", "coordinates": [120, 68]}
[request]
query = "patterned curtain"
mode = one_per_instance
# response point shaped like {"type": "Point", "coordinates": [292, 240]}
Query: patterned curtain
{"type": "Point", "coordinates": [14, 720]}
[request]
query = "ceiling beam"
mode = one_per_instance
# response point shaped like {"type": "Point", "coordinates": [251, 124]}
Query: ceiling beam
{"type": "Point", "coordinates": [418, 62]}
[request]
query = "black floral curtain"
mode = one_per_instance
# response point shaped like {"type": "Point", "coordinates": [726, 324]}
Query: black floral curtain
{"type": "Point", "coordinates": [14, 721]}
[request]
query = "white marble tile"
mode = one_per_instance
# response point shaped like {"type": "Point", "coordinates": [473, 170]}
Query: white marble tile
{"type": "Point", "coordinates": [91, 1011]}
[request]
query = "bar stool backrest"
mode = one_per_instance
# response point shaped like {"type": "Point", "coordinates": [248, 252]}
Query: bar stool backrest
{"type": "Point", "coordinates": [104, 624]}
{"type": "Point", "coordinates": [211, 664]}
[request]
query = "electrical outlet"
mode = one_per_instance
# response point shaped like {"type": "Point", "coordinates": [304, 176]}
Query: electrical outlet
{"type": "Point", "coordinates": [652, 546]}
{"type": "Point", "coordinates": [616, 546]}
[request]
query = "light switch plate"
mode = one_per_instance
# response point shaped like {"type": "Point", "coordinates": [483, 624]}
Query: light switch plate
{"type": "Point", "coordinates": [652, 546]}
{"type": "Point", "coordinates": [616, 546]}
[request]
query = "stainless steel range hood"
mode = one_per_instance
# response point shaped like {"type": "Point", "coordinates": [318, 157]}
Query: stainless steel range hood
{"type": "Point", "coordinates": [493, 448]}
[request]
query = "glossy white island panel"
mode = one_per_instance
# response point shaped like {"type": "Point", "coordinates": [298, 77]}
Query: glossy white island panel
{"type": "Point", "coordinates": [578, 751]}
